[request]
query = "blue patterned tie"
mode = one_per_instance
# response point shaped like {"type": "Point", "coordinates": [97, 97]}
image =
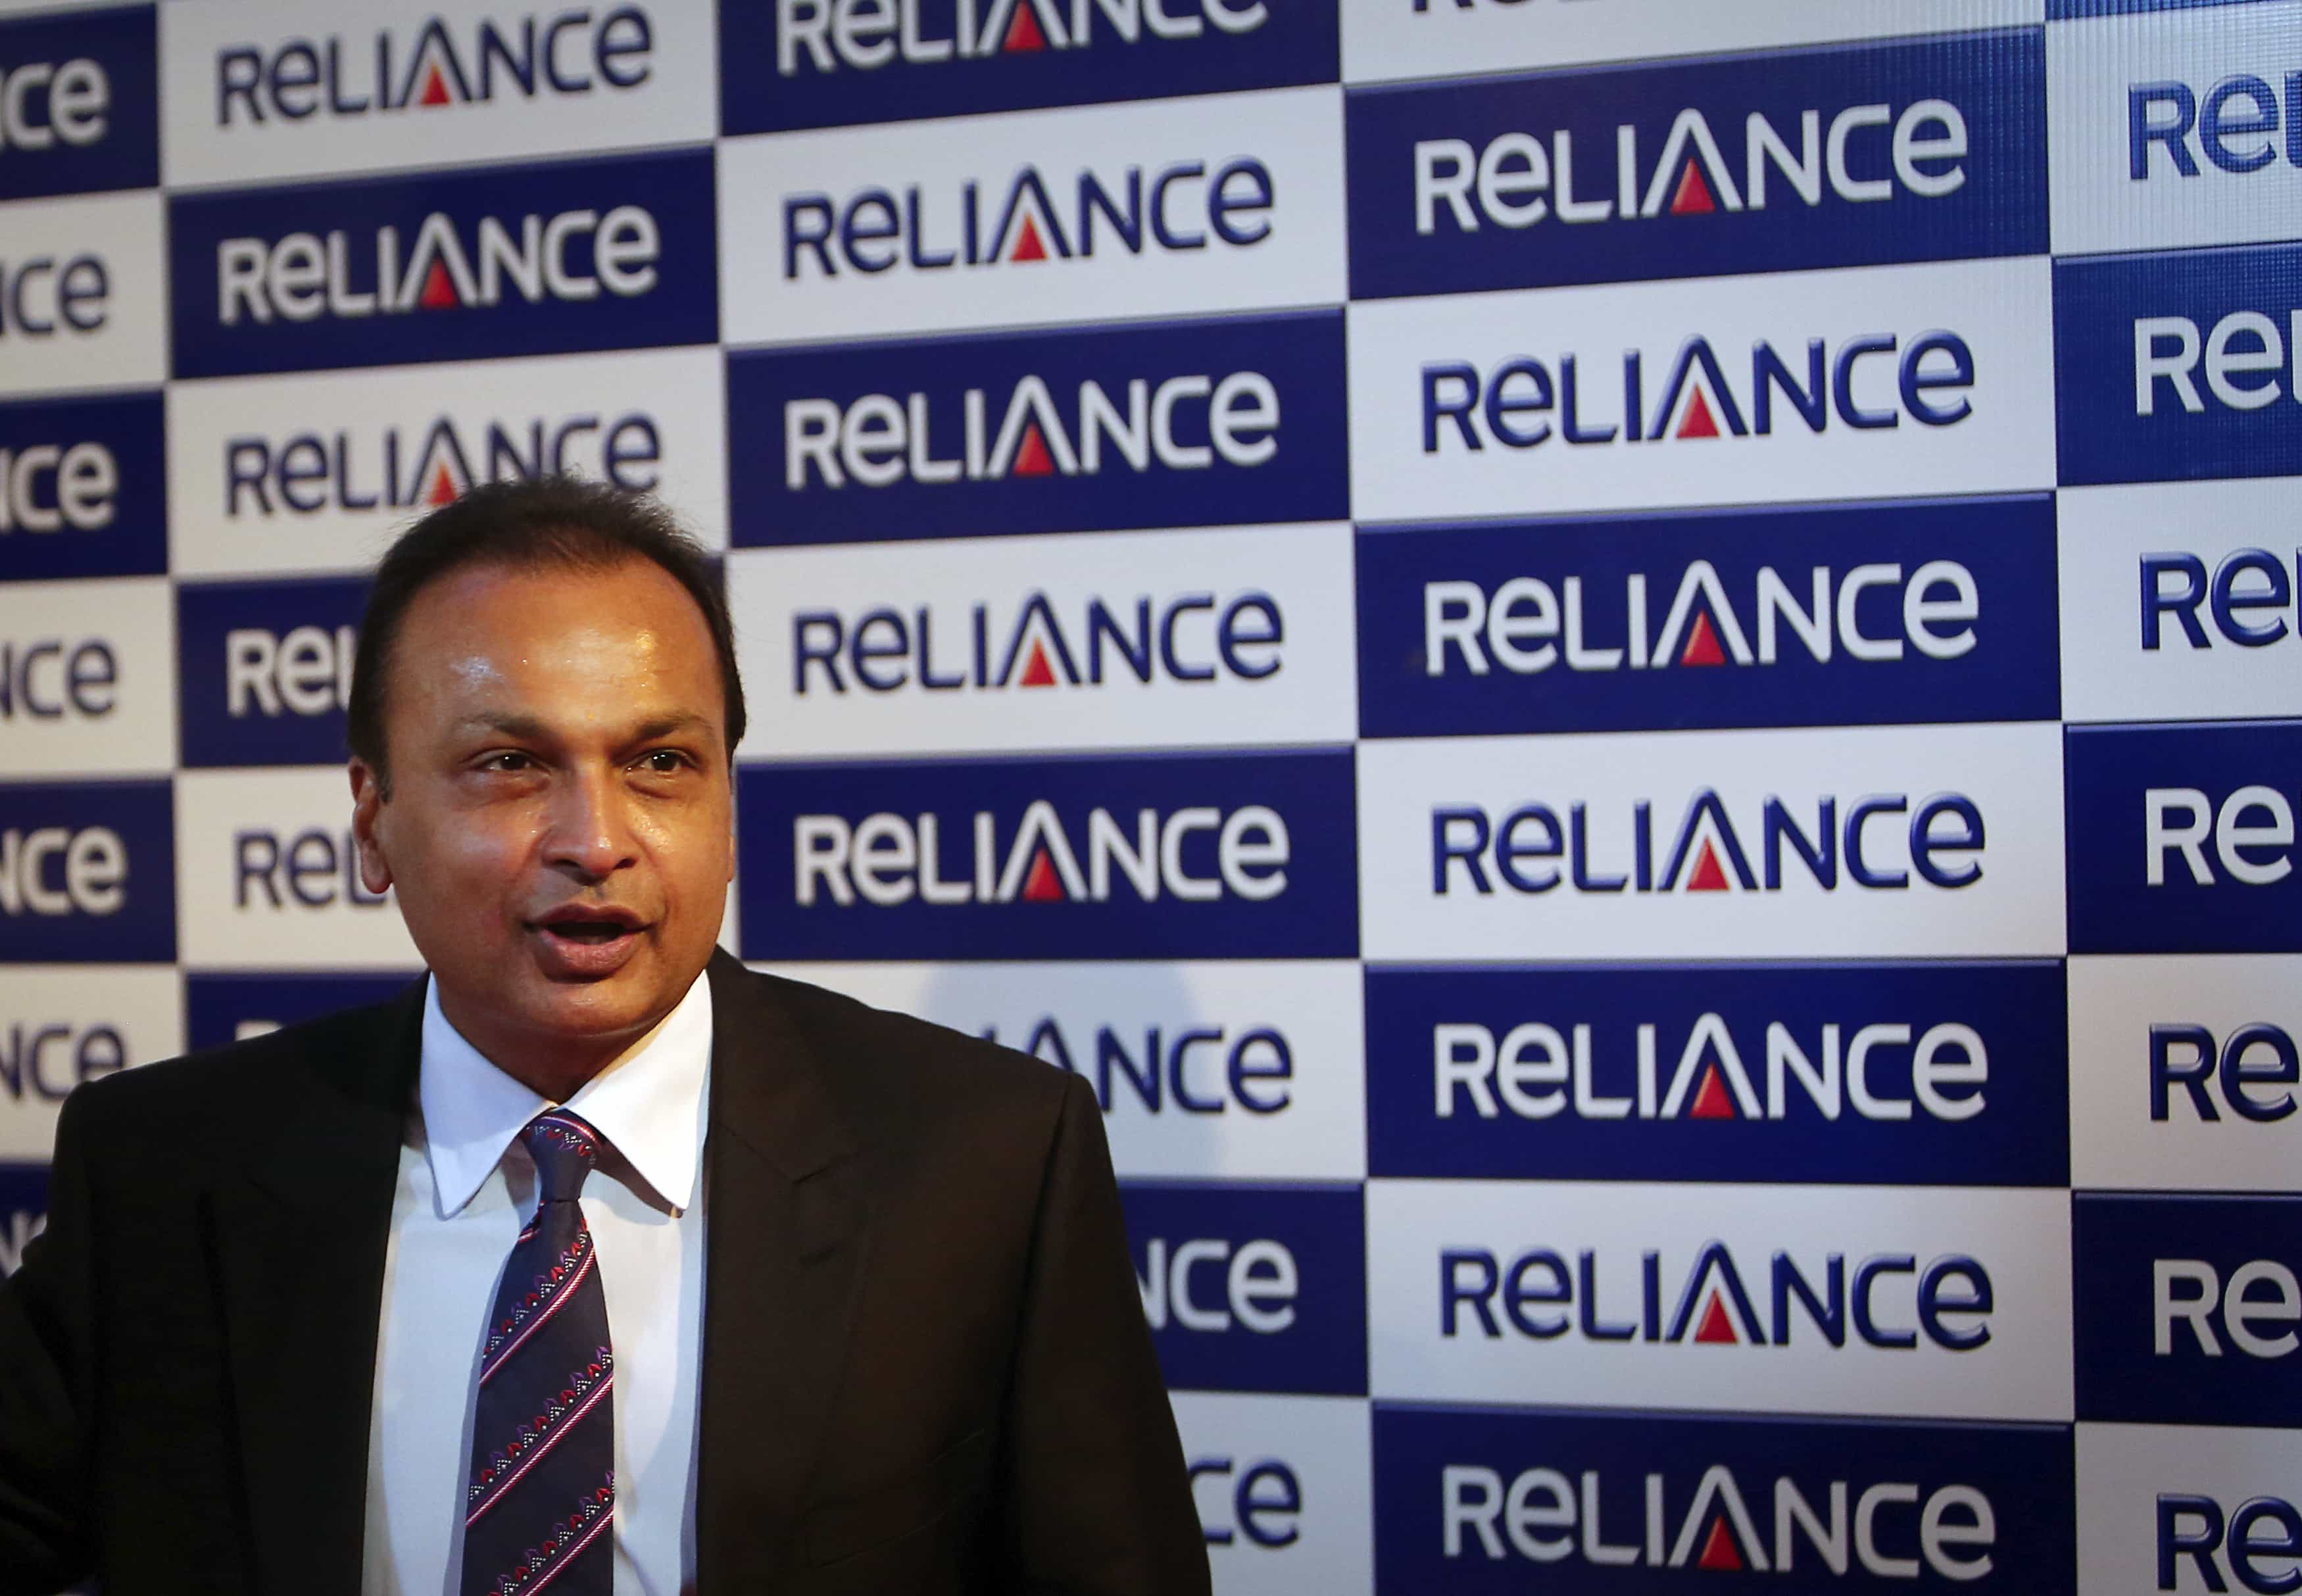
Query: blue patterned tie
{"type": "Point", "coordinates": [541, 1504]}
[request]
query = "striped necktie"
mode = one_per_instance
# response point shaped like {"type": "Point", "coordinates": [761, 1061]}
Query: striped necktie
{"type": "Point", "coordinates": [541, 1503]}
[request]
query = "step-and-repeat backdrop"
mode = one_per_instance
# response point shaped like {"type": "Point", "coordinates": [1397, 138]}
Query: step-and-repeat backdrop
{"type": "Point", "coordinates": [1618, 668]}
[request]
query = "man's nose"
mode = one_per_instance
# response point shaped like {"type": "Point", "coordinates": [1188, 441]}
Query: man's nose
{"type": "Point", "coordinates": [589, 834]}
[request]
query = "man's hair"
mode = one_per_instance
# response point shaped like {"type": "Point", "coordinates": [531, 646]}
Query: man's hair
{"type": "Point", "coordinates": [527, 525]}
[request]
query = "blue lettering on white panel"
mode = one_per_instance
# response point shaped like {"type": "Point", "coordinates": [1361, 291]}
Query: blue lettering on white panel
{"type": "Point", "coordinates": [448, 60]}
{"type": "Point", "coordinates": [2244, 601]}
{"type": "Point", "coordinates": [2177, 366]}
{"type": "Point", "coordinates": [607, 254]}
{"type": "Point", "coordinates": [2254, 1538]}
{"type": "Point", "coordinates": [1186, 424]}
{"type": "Point", "coordinates": [1253, 1288]}
{"type": "Point", "coordinates": [420, 465]}
{"type": "Point", "coordinates": [1158, 856]}
{"type": "Point", "coordinates": [266, 668]}
{"type": "Point", "coordinates": [1471, 1501]}
{"type": "Point", "coordinates": [88, 872]}
{"type": "Point", "coordinates": [41, 1061]}
{"type": "Point", "coordinates": [83, 489]}
{"type": "Point", "coordinates": [1178, 1069]}
{"type": "Point", "coordinates": [79, 103]}
{"type": "Point", "coordinates": [2174, 131]}
{"type": "Point", "coordinates": [1585, 399]}
{"type": "Point", "coordinates": [2187, 1310]}
{"type": "Point", "coordinates": [2181, 838]}
{"type": "Point", "coordinates": [1895, 1074]}
{"type": "Point", "coordinates": [1253, 1501]}
{"type": "Point", "coordinates": [1837, 156]}
{"type": "Point", "coordinates": [813, 63]}
{"type": "Point", "coordinates": [1840, 614]}
{"type": "Point", "coordinates": [2247, 1075]}
{"type": "Point", "coordinates": [220, 1009]}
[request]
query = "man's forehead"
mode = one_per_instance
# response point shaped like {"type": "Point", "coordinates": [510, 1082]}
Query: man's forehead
{"type": "Point", "coordinates": [624, 644]}
{"type": "Point", "coordinates": [491, 618]}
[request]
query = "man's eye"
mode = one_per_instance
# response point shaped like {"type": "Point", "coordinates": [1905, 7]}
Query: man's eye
{"type": "Point", "coordinates": [507, 760]}
{"type": "Point", "coordinates": [664, 761]}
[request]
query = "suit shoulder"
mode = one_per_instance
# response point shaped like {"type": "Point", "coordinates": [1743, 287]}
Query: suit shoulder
{"type": "Point", "coordinates": [236, 1084]}
{"type": "Point", "coordinates": [879, 1048]}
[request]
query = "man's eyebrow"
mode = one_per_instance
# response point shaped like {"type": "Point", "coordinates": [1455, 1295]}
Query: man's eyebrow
{"type": "Point", "coordinates": [665, 726]}
{"type": "Point", "coordinates": [526, 726]}
{"type": "Point", "coordinates": [531, 728]}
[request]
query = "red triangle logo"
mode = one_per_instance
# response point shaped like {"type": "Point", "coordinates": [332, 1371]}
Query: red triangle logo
{"type": "Point", "coordinates": [435, 89]}
{"type": "Point", "coordinates": [439, 288]}
{"type": "Point", "coordinates": [1041, 887]}
{"type": "Point", "coordinates": [1032, 460]}
{"type": "Point", "coordinates": [1712, 1103]}
{"type": "Point", "coordinates": [1718, 1546]}
{"type": "Point", "coordinates": [1701, 644]}
{"type": "Point", "coordinates": [1023, 33]}
{"type": "Point", "coordinates": [1028, 245]}
{"type": "Point", "coordinates": [443, 487]}
{"type": "Point", "coordinates": [1692, 196]}
{"type": "Point", "coordinates": [1038, 673]}
{"type": "Point", "coordinates": [1697, 421]}
{"type": "Point", "coordinates": [1707, 877]}
{"type": "Point", "coordinates": [1717, 1330]}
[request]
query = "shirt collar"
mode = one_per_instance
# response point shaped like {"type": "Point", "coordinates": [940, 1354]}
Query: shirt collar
{"type": "Point", "coordinates": [648, 1106]}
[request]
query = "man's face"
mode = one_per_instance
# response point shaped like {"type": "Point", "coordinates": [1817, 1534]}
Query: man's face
{"type": "Point", "coordinates": [560, 824]}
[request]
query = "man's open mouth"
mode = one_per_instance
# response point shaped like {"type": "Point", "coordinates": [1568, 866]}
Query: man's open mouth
{"type": "Point", "coordinates": [588, 930]}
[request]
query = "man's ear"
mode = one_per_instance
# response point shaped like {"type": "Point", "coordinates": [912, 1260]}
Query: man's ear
{"type": "Point", "coordinates": [367, 808]}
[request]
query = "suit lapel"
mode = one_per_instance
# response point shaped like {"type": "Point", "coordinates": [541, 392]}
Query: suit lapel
{"type": "Point", "coordinates": [299, 1240]}
{"type": "Point", "coordinates": [789, 1239]}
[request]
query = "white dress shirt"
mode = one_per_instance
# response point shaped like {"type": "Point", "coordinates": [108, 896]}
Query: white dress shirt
{"type": "Point", "coordinates": [467, 1186]}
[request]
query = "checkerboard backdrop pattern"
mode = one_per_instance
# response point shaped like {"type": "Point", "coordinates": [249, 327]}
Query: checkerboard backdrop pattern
{"type": "Point", "coordinates": [1623, 670]}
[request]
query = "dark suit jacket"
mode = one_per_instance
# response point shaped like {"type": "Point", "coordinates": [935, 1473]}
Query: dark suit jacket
{"type": "Point", "coordinates": [925, 1364]}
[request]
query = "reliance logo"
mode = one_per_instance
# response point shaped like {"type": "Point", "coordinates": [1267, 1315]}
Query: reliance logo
{"type": "Point", "coordinates": [1931, 1073]}
{"type": "Point", "coordinates": [571, 52]}
{"type": "Point", "coordinates": [1899, 1531]}
{"type": "Point", "coordinates": [807, 63]}
{"type": "Point", "coordinates": [1142, 424]}
{"type": "Point", "coordinates": [1145, 856]}
{"type": "Point", "coordinates": [1525, 625]}
{"type": "Point", "coordinates": [2244, 353]}
{"type": "Point", "coordinates": [2186, 1308]}
{"type": "Point", "coordinates": [2255, 1542]}
{"type": "Point", "coordinates": [824, 36]}
{"type": "Point", "coordinates": [47, 104]}
{"type": "Point", "coordinates": [1924, 149]}
{"type": "Point", "coordinates": [1503, 182]}
{"type": "Point", "coordinates": [1181, 206]}
{"type": "Point", "coordinates": [1523, 401]}
{"type": "Point", "coordinates": [1190, 638]}
{"type": "Point", "coordinates": [87, 872]}
{"type": "Point", "coordinates": [574, 256]}
{"type": "Point", "coordinates": [877, 441]}
{"type": "Point", "coordinates": [561, 255]}
{"type": "Point", "coordinates": [888, 858]}
{"type": "Point", "coordinates": [2236, 125]}
{"type": "Point", "coordinates": [1535, 1071]}
{"type": "Point", "coordinates": [424, 466]}
{"type": "Point", "coordinates": [1586, 1504]}
{"type": "Point", "coordinates": [1705, 851]}
{"type": "Point", "coordinates": [1712, 1304]}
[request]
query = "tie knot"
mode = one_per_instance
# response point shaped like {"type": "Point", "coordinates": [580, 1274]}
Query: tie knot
{"type": "Point", "coordinates": [565, 1148]}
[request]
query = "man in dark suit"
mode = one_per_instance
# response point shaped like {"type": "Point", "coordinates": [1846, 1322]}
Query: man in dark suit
{"type": "Point", "coordinates": [418, 1297]}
